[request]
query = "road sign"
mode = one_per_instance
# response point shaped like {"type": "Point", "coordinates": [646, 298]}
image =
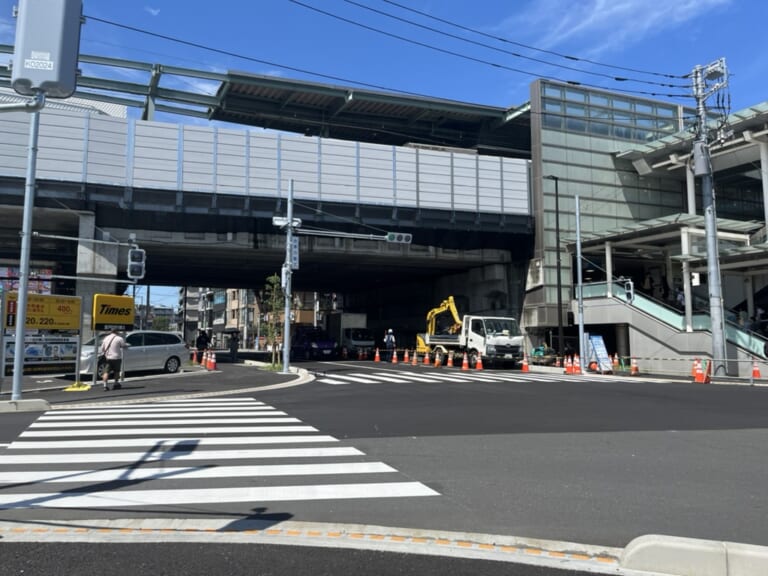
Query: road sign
{"type": "Point", "coordinates": [112, 312]}
{"type": "Point", "coordinates": [294, 253]}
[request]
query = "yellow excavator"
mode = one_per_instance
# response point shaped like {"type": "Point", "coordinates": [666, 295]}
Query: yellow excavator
{"type": "Point", "coordinates": [495, 339]}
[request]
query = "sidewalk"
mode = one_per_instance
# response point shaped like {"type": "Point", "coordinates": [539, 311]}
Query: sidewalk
{"type": "Point", "coordinates": [41, 392]}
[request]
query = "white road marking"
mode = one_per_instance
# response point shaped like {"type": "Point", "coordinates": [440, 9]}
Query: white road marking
{"type": "Point", "coordinates": [167, 443]}
{"type": "Point", "coordinates": [195, 421]}
{"type": "Point", "coordinates": [194, 455]}
{"type": "Point", "coordinates": [175, 473]}
{"type": "Point", "coordinates": [121, 498]}
{"type": "Point", "coordinates": [161, 407]}
{"type": "Point", "coordinates": [332, 381]}
{"type": "Point", "coordinates": [209, 434]}
{"type": "Point", "coordinates": [170, 431]}
{"type": "Point", "coordinates": [176, 413]}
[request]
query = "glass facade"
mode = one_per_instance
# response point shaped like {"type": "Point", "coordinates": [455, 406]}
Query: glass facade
{"type": "Point", "coordinates": [577, 133]}
{"type": "Point", "coordinates": [613, 116]}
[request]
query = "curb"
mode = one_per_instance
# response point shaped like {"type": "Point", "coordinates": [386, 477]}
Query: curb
{"type": "Point", "coordinates": [692, 557]}
{"type": "Point", "coordinates": [34, 405]}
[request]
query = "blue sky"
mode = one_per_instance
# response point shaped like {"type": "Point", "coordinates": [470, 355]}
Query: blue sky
{"type": "Point", "coordinates": [484, 52]}
{"type": "Point", "coordinates": [369, 42]}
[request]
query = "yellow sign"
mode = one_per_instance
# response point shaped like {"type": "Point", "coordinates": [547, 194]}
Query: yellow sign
{"type": "Point", "coordinates": [112, 312]}
{"type": "Point", "coordinates": [44, 312]}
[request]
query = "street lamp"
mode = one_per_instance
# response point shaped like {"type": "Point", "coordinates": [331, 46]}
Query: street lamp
{"type": "Point", "coordinates": [559, 266]}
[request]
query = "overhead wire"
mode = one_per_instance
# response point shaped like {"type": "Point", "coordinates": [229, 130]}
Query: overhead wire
{"type": "Point", "coordinates": [515, 54]}
{"type": "Point", "coordinates": [474, 59]}
{"type": "Point", "coordinates": [534, 48]}
{"type": "Point", "coordinates": [247, 58]}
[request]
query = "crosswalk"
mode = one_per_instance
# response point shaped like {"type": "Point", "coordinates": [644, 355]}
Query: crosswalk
{"type": "Point", "coordinates": [186, 452]}
{"type": "Point", "coordinates": [436, 376]}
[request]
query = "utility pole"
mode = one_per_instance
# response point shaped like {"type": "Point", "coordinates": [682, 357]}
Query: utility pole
{"type": "Point", "coordinates": [706, 81]}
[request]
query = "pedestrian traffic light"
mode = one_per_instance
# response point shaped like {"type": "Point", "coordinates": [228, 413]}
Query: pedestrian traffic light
{"type": "Point", "coordinates": [398, 238]}
{"type": "Point", "coordinates": [137, 260]}
{"type": "Point", "coordinates": [629, 290]}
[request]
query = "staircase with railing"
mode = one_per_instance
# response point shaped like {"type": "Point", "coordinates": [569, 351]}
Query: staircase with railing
{"type": "Point", "coordinates": [658, 333]}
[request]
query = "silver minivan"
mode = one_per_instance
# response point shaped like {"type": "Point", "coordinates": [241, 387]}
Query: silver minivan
{"type": "Point", "coordinates": [147, 350]}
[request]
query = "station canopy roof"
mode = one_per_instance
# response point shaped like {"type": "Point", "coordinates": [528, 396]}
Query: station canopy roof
{"type": "Point", "coordinates": [303, 107]}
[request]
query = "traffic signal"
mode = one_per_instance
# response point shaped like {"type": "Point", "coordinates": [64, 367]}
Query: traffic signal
{"type": "Point", "coordinates": [137, 260]}
{"type": "Point", "coordinates": [398, 237]}
{"type": "Point", "coordinates": [629, 290]}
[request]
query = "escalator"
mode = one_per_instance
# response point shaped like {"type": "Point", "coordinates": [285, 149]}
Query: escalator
{"type": "Point", "coordinates": [658, 335]}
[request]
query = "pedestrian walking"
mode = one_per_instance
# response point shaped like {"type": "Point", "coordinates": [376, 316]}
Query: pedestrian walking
{"type": "Point", "coordinates": [201, 343]}
{"type": "Point", "coordinates": [234, 342]}
{"type": "Point", "coordinates": [112, 351]}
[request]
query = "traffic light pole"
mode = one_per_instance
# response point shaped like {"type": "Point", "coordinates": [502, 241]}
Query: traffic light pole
{"type": "Point", "coordinates": [26, 249]}
{"type": "Point", "coordinates": [286, 280]}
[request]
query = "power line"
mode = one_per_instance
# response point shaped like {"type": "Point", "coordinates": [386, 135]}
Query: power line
{"type": "Point", "coordinates": [529, 47]}
{"type": "Point", "coordinates": [477, 60]}
{"type": "Point", "coordinates": [249, 58]}
{"type": "Point", "coordinates": [515, 54]}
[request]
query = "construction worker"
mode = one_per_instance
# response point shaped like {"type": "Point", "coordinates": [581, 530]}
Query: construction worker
{"type": "Point", "coordinates": [389, 343]}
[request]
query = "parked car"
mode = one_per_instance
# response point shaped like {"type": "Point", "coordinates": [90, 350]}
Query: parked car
{"type": "Point", "coordinates": [147, 350]}
{"type": "Point", "coordinates": [311, 343]}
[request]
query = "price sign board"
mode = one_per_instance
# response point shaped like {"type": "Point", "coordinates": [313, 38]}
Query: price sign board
{"type": "Point", "coordinates": [44, 312]}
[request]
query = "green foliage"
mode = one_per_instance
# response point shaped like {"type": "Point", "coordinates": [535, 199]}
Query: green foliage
{"type": "Point", "coordinates": [273, 302]}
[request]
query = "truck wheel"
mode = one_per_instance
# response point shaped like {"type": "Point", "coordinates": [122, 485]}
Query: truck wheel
{"type": "Point", "coordinates": [472, 358]}
{"type": "Point", "coordinates": [439, 357]}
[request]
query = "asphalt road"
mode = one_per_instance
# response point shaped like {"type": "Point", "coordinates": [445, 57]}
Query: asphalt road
{"type": "Point", "coordinates": [595, 460]}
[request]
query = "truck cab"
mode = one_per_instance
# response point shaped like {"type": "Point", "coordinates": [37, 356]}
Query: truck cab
{"type": "Point", "coordinates": [356, 342]}
{"type": "Point", "coordinates": [497, 339]}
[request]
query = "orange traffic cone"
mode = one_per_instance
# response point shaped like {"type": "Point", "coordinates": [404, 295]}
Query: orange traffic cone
{"type": "Point", "coordinates": [615, 362]}
{"type": "Point", "coordinates": [479, 363]}
{"type": "Point", "coordinates": [634, 371]}
{"type": "Point", "coordinates": [194, 355]}
{"type": "Point", "coordinates": [406, 358]}
{"type": "Point", "coordinates": [708, 373]}
{"type": "Point", "coordinates": [394, 356]}
{"type": "Point", "coordinates": [576, 364]}
{"type": "Point", "coordinates": [202, 358]}
{"type": "Point", "coordinates": [526, 368]}
{"type": "Point", "coordinates": [557, 362]}
{"type": "Point", "coordinates": [426, 359]}
{"type": "Point", "coordinates": [415, 359]}
{"type": "Point", "coordinates": [568, 365]}
{"type": "Point", "coordinates": [213, 361]}
{"type": "Point", "coordinates": [698, 373]}
{"type": "Point", "coordinates": [755, 370]}
{"type": "Point", "coordinates": [438, 360]}
{"type": "Point", "coordinates": [377, 357]}
{"type": "Point", "coordinates": [465, 362]}
{"type": "Point", "coordinates": [450, 360]}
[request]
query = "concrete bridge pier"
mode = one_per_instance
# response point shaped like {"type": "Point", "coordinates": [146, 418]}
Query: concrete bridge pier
{"type": "Point", "coordinates": [97, 267]}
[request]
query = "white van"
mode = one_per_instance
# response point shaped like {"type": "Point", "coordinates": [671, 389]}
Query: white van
{"type": "Point", "coordinates": [147, 350]}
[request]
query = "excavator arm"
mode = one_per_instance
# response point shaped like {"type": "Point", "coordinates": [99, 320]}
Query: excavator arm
{"type": "Point", "coordinates": [447, 305]}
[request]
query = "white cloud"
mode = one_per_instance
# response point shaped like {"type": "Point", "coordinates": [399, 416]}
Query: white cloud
{"type": "Point", "coordinates": [602, 26]}
{"type": "Point", "coordinates": [152, 11]}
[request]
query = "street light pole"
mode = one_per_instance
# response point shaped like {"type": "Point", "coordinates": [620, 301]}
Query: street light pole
{"type": "Point", "coordinates": [560, 347]}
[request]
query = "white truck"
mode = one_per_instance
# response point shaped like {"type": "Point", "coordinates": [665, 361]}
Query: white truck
{"type": "Point", "coordinates": [354, 338]}
{"type": "Point", "coordinates": [496, 339]}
